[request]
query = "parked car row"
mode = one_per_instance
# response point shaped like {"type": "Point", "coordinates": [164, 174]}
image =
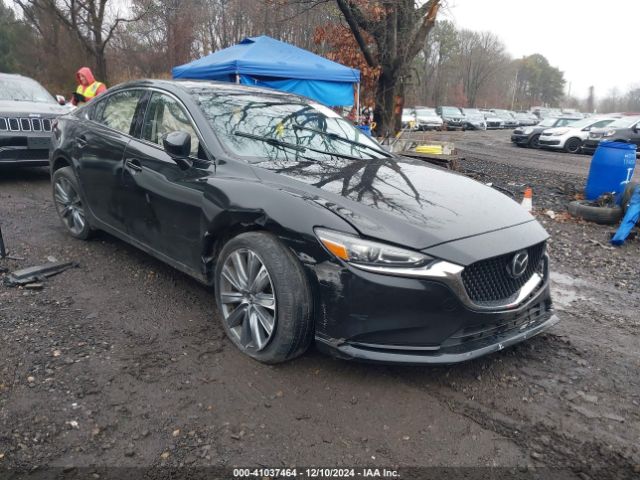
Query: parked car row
{"type": "Point", "coordinates": [454, 118]}
{"type": "Point", "coordinates": [578, 134]}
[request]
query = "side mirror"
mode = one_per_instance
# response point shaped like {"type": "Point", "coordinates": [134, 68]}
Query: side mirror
{"type": "Point", "coordinates": [178, 146]}
{"type": "Point", "coordinates": [586, 129]}
{"type": "Point", "coordinates": [61, 100]}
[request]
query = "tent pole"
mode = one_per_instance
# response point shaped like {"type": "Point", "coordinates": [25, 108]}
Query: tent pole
{"type": "Point", "coordinates": [358, 105]}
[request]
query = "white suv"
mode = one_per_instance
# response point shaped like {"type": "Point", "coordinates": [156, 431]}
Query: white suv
{"type": "Point", "coordinates": [570, 137]}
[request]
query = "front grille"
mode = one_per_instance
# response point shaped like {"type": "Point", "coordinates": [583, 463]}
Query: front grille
{"type": "Point", "coordinates": [25, 124]}
{"type": "Point", "coordinates": [489, 281]}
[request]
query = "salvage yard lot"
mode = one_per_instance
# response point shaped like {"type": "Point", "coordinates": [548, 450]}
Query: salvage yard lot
{"type": "Point", "coordinates": [122, 361]}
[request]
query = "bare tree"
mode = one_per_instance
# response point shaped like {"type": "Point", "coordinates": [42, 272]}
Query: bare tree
{"type": "Point", "coordinates": [398, 29]}
{"type": "Point", "coordinates": [480, 56]}
{"type": "Point", "coordinates": [90, 20]}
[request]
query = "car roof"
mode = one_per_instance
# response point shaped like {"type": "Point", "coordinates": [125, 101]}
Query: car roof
{"type": "Point", "coordinates": [187, 86]}
{"type": "Point", "coordinates": [13, 75]}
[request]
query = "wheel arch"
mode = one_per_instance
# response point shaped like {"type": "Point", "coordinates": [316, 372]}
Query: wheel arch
{"type": "Point", "coordinates": [59, 161]}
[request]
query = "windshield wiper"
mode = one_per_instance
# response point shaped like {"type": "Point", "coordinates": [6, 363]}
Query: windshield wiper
{"type": "Point", "coordinates": [335, 136]}
{"type": "Point", "coordinates": [271, 141]}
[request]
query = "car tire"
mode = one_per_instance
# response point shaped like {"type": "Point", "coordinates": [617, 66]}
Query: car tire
{"type": "Point", "coordinates": [593, 213]}
{"type": "Point", "coordinates": [69, 203]}
{"type": "Point", "coordinates": [626, 195]}
{"type": "Point", "coordinates": [534, 141]}
{"type": "Point", "coordinates": [573, 145]}
{"type": "Point", "coordinates": [266, 314]}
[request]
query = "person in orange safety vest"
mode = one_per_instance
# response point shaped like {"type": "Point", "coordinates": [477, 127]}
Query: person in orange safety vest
{"type": "Point", "coordinates": [88, 87]}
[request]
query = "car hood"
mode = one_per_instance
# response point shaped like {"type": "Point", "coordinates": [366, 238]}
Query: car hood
{"type": "Point", "coordinates": [25, 108]}
{"type": "Point", "coordinates": [399, 200]}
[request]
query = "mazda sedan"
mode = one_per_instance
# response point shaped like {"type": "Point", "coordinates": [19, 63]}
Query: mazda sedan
{"type": "Point", "coordinates": [307, 228]}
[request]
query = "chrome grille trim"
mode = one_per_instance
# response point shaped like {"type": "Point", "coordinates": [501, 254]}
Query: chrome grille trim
{"type": "Point", "coordinates": [24, 124]}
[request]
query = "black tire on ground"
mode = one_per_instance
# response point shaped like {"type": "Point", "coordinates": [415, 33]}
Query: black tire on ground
{"type": "Point", "coordinates": [293, 327]}
{"type": "Point", "coordinates": [69, 203]}
{"type": "Point", "coordinates": [592, 213]}
{"type": "Point", "coordinates": [533, 142]}
{"type": "Point", "coordinates": [573, 145]}
{"type": "Point", "coordinates": [626, 195]}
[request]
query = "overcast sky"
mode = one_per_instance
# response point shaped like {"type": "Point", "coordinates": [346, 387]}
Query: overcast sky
{"type": "Point", "coordinates": [593, 42]}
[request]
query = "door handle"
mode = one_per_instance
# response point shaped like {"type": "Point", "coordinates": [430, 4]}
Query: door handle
{"type": "Point", "coordinates": [81, 141]}
{"type": "Point", "coordinates": [134, 164]}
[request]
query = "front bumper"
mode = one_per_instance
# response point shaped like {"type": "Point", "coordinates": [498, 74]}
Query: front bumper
{"type": "Point", "coordinates": [589, 146]}
{"type": "Point", "coordinates": [387, 319]}
{"type": "Point", "coordinates": [551, 142]}
{"type": "Point", "coordinates": [520, 138]}
{"type": "Point", "coordinates": [496, 343]}
{"type": "Point", "coordinates": [24, 149]}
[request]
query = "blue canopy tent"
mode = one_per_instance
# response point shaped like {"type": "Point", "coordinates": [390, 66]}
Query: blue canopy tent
{"type": "Point", "coordinates": [266, 62]}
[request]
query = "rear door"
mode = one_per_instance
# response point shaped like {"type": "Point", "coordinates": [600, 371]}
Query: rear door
{"type": "Point", "coordinates": [164, 202]}
{"type": "Point", "coordinates": [100, 147]}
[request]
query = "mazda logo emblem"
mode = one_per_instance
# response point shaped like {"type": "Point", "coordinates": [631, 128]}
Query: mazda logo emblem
{"type": "Point", "coordinates": [518, 264]}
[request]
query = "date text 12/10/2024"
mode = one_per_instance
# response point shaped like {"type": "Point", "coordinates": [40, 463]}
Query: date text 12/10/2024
{"type": "Point", "coordinates": [314, 472]}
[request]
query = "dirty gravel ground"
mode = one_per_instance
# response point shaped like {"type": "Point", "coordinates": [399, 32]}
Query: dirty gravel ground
{"type": "Point", "coordinates": [122, 361]}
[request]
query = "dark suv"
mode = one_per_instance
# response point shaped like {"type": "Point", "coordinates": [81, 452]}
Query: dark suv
{"type": "Point", "coordinates": [625, 129]}
{"type": "Point", "coordinates": [26, 114]}
{"type": "Point", "coordinates": [452, 117]}
{"type": "Point", "coordinates": [529, 136]}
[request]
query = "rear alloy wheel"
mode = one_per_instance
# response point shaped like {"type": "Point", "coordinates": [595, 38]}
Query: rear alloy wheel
{"type": "Point", "coordinates": [573, 145]}
{"type": "Point", "coordinates": [535, 141]}
{"type": "Point", "coordinates": [264, 298]}
{"type": "Point", "coordinates": [69, 203]}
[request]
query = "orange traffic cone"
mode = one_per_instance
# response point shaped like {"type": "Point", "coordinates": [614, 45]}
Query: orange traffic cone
{"type": "Point", "coordinates": [527, 201]}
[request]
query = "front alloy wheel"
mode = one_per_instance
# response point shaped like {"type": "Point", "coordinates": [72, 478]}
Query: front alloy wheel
{"type": "Point", "coordinates": [247, 299]}
{"type": "Point", "coordinates": [264, 297]}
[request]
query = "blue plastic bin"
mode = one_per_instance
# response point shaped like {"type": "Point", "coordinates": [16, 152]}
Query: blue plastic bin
{"type": "Point", "coordinates": [611, 169]}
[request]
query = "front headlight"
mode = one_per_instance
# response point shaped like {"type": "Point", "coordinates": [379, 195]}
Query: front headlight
{"type": "Point", "coordinates": [527, 131]}
{"type": "Point", "coordinates": [360, 252]}
{"type": "Point", "coordinates": [609, 133]}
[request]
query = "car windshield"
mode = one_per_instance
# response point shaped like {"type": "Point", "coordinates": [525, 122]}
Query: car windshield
{"type": "Point", "coordinates": [426, 112]}
{"type": "Point", "coordinates": [548, 122]}
{"type": "Point", "coordinates": [585, 122]}
{"type": "Point", "coordinates": [624, 122]}
{"type": "Point", "coordinates": [258, 126]}
{"type": "Point", "coordinates": [472, 113]}
{"type": "Point", "coordinates": [407, 111]}
{"type": "Point", "coordinates": [451, 111]}
{"type": "Point", "coordinates": [503, 113]}
{"type": "Point", "coordinates": [22, 89]}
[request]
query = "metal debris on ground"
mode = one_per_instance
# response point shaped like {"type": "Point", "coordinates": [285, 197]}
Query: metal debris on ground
{"type": "Point", "coordinates": [37, 273]}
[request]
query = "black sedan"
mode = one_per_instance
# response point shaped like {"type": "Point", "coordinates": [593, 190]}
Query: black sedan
{"type": "Point", "coordinates": [305, 226]}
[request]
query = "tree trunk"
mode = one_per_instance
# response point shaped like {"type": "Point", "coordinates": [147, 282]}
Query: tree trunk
{"type": "Point", "coordinates": [101, 67]}
{"type": "Point", "coordinates": [383, 113]}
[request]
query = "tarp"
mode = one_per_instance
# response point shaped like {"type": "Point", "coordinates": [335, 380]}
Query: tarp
{"type": "Point", "coordinates": [267, 62]}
